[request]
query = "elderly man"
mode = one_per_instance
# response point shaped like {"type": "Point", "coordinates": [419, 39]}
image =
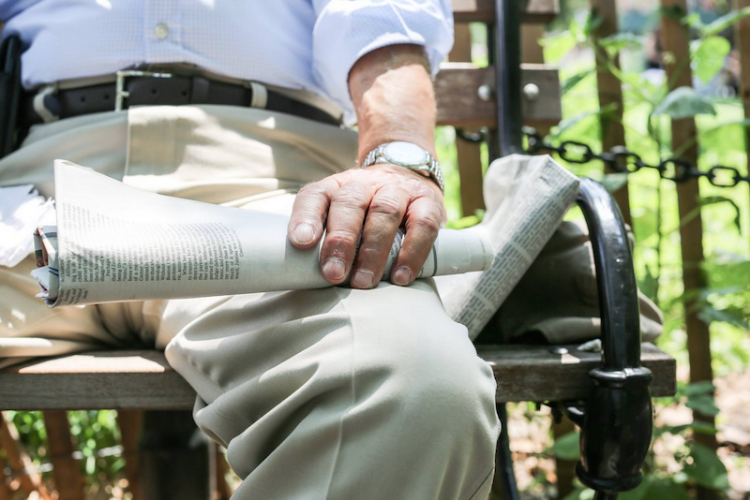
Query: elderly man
{"type": "Point", "coordinates": [367, 392]}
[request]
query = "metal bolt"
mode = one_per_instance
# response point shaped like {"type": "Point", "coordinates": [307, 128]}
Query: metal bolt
{"type": "Point", "coordinates": [531, 91]}
{"type": "Point", "coordinates": [558, 350]}
{"type": "Point", "coordinates": [485, 93]}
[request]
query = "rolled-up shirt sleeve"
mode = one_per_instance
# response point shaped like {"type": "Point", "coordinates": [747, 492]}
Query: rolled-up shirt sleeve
{"type": "Point", "coordinates": [346, 30]}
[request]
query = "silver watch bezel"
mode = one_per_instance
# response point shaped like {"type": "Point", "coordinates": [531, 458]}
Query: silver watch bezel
{"type": "Point", "coordinates": [429, 167]}
{"type": "Point", "coordinates": [388, 153]}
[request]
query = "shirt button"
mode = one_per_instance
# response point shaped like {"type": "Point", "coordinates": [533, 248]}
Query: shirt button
{"type": "Point", "coordinates": [161, 31]}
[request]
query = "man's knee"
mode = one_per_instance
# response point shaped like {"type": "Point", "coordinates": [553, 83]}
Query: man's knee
{"type": "Point", "coordinates": [428, 370]}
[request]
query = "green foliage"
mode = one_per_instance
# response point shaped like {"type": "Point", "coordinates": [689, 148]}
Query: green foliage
{"type": "Point", "coordinates": [566, 447]}
{"type": "Point", "coordinates": [653, 487]}
{"type": "Point", "coordinates": [699, 398]}
{"type": "Point", "coordinates": [708, 56]}
{"type": "Point", "coordinates": [706, 469]}
{"type": "Point", "coordinates": [574, 80]}
{"type": "Point", "coordinates": [93, 431]}
{"type": "Point", "coordinates": [613, 44]}
{"type": "Point", "coordinates": [464, 222]}
{"type": "Point", "coordinates": [725, 303]}
{"type": "Point", "coordinates": [722, 23]}
{"type": "Point", "coordinates": [684, 102]}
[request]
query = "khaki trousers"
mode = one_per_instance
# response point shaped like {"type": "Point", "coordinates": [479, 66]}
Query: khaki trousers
{"type": "Point", "coordinates": [319, 394]}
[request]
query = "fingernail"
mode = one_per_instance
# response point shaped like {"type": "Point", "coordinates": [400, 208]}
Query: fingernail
{"type": "Point", "coordinates": [402, 276]}
{"type": "Point", "coordinates": [303, 234]}
{"type": "Point", "coordinates": [334, 268]}
{"type": "Point", "coordinates": [363, 279]}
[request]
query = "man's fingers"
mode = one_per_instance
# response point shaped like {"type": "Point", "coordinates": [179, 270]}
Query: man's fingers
{"type": "Point", "coordinates": [423, 220]}
{"type": "Point", "coordinates": [384, 216]}
{"type": "Point", "coordinates": [345, 217]}
{"type": "Point", "coordinates": [309, 212]}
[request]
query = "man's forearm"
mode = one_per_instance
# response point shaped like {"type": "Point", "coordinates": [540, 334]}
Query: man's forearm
{"type": "Point", "coordinates": [361, 210]}
{"type": "Point", "coordinates": [394, 99]}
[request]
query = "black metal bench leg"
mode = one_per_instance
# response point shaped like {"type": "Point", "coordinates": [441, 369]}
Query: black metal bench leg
{"type": "Point", "coordinates": [505, 478]}
{"type": "Point", "coordinates": [606, 496]}
{"type": "Point", "coordinates": [616, 423]}
{"type": "Point", "coordinates": [173, 457]}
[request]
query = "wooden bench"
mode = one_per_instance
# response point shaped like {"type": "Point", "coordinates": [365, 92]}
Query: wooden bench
{"type": "Point", "coordinates": [142, 380]}
{"type": "Point", "coordinates": [467, 97]}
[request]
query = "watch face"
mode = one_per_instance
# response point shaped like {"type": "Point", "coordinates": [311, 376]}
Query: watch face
{"type": "Point", "coordinates": [405, 154]}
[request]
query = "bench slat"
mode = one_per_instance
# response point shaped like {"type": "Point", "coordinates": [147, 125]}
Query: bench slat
{"type": "Point", "coordinates": [143, 380]}
{"type": "Point", "coordinates": [458, 102]}
{"type": "Point", "coordinates": [483, 11]}
{"type": "Point", "coordinates": [534, 373]}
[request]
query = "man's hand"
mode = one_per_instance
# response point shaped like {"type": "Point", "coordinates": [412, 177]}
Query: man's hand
{"type": "Point", "coordinates": [379, 199]}
{"type": "Point", "coordinates": [392, 93]}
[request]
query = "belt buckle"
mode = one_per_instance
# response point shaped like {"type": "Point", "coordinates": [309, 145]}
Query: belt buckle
{"type": "Point", "coordinates": [121, 94]}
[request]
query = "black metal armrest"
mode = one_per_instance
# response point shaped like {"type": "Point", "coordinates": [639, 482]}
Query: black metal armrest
{"type": "Point", "coordinates": [616, 426]}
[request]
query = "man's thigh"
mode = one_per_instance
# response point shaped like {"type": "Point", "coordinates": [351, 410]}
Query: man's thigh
{"type": "Point", "coordinates": [306, 380]}
{"type": "Point", "coordinates": [29, 328]}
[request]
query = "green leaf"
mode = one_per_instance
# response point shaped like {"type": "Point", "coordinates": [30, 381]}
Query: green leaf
{"type": "Point", "coordinates": [698, 388]}
{"type": "Point", "coordinates": [683, 102]}
{"type": "Point", "coordinates": [709, 314]}
{"type": "Point", "coordinates": [619, 41]}
{"type": "Point", "coordinates": [724, 22]}
{"type": "Point", "coordinates": [580, 494]}
{"type": "Point", "coordinates": [593, 23]}
{"type": "Point", "coordinates": [653, 488]}
{"type": "Point", "coordinates": [674, 12]}
{"type": "Point", "coordinates": [707, 468]}
{"type": "Point", "coordinates": [557, 46]}
{"type": "Point", "coordinates": [693, 20]}
{"type": "Point", "coordinates": [607, 112]}
{"type": "Point", "coordinates": [666, 489]}
{"type": "Point", "coordinates": [575, 80]}
{"type": "Point", "coordinates": [649, 285]}
{"type": "Point", "coordinates": [464, 222]}
{"type": "Point", "coordinates": [709, 55]}
{"type": "Point", "coordinates": [731, 272]}
{"type": "Point", "coordinates": [710, 133]}
{"type": "Point", "coordinates": [566, 447]}
{"type": "Point", "coordinates": [697, 427]}
{"type": "Point", "coordinates": [703, 404]}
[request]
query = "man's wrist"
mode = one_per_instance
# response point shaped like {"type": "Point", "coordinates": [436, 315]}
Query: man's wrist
{"type": "Point", "coordinates": [407, 155]}
{"type": "Point", "coordinates": [393, 95]}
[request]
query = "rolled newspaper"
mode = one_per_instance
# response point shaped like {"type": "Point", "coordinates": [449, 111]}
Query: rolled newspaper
{"type": "Point", "coordinates": [113, 242]}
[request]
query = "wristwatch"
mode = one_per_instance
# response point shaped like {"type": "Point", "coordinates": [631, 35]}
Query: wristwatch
{"type": "Point", "coordinates": [408, 155]}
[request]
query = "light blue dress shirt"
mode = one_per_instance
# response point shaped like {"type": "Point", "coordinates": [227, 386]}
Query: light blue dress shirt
{"type": "Point", "coordinates": [299, 44]}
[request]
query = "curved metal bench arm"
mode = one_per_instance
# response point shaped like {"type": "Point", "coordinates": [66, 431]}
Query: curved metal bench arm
{"type": "Point", "coordinates": [616, 426]}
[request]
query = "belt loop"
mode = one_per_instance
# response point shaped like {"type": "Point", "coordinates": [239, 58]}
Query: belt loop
{"type": "Point", "coordinates": [41, 108]}
{"type": "Point", "coordinates": [260, 95]}
{"type": "Point", "coordinates": [199, 91]}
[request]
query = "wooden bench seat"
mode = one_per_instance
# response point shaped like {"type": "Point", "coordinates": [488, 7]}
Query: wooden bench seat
{"type": "Point", "coordinates": [143, 380]}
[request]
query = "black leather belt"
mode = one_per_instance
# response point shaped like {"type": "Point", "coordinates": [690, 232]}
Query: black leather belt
{"type": "Point", "coordinates": [138, 88]}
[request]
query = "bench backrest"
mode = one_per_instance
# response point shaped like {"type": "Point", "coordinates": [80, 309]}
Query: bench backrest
{"type": "Point", "coordinates": [466, 94]}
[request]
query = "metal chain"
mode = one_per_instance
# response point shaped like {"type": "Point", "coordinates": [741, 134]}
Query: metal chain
{"type": "Point", "coordinates": [622, 160]}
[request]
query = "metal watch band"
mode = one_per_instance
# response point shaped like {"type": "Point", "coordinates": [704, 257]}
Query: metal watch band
{"type": "Point", "coordinates": [432, 168]}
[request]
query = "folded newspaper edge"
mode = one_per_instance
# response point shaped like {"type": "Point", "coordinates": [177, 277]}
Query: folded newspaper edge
{"type": "Point", "coordinates": [114, 242]}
